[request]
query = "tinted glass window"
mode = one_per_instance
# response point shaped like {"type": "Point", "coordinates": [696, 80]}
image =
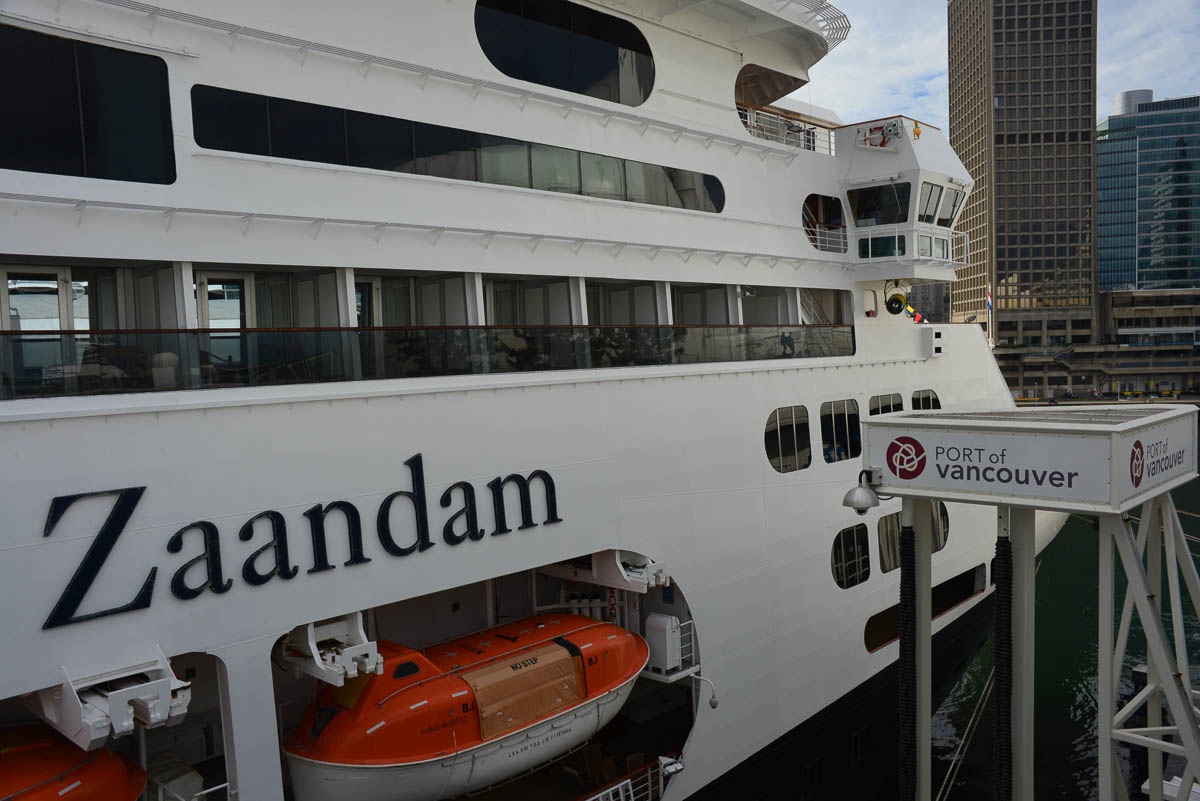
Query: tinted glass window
{"type": "Point", "coordinates": [555, 169]}
{"type": "Point", "coordinates": [950, 205]}
{"type": "Point", "coordinates": [566, 46]}
{"type": "Point", "coordinates": [786, 439]}
{"type": "Point", "coordinates": [840, 434]}
{"type": "Point", "coordinates": [380, 143]}
{"type": "Point", "coordinates": [603, 176]}
{"type": "Point", "coordinates": [444, 152]}
{"type": "Point", "coordinates": [41, 132]}
{"type": "Point", "coordinates": [926, 399]}
{"type": "Point", "coordinates": [889, 535]}
{"type": "Point", "coordinates": [307, 132]}
{"type": "Point", "coordinates": [931, 194]}
{"type": "Point", "coordinates": [247, 123]}
{"type": "Point", "coordinates": [74, 108]}
{"type": "Point", "coordinates": [851, 558]}
{"type": "Point", "coordinates": [503, 161]}
{"type": "Point", "coordinates": [880, 205]}
{"type": "Point", "coordinates": [883, 404]}
{"type": "Point", "coordinates": [236, 121]}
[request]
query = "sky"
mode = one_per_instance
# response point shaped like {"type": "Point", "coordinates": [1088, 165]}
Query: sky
{"type": "Point", "coordinates": [894, 61]}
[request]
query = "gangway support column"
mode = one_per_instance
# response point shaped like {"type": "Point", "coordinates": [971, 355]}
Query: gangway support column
{"type": "Point", "coordinates": [916, 649]}
{"type": "Point", "coordinates": [1018, 524]}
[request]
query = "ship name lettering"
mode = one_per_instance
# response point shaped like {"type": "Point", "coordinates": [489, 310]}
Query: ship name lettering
{"type": "Point", "coordinates": [401, 527]}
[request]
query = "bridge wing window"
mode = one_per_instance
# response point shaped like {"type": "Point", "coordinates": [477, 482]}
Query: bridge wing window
{"type": "Point", "coordinates": [951, 203]}
{"type": "Point", "coordinates": [880, 205]}
{"type": "Point", "coordinates": [931, 195]}
{"type": "Point", "coordinates": [851, 558]}
{"type": "Point", "coordinates": [566, 46]}
{"type": "Point", "coordinates": [786, 439]}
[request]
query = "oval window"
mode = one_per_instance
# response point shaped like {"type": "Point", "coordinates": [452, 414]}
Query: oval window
{"type": "Point", "coordinates": [566, 46]}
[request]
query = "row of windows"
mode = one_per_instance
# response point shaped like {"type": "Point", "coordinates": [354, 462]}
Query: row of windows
{"type": "Point", "coordinates": [85, 110]}
{"type": "Point", "coordinates": [850, 559]}
{"type": "Point", "coordinates": [786, 438]}
{"type": "Point", "coordinates": [241, 122]}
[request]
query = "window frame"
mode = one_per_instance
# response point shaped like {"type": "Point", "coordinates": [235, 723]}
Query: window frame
{"type": "Point", "coordinates": [859, 559]}
{"type": "Point", "coordinates": [851, 431]}
{"type": "Point", "coordinates": [802, 453]}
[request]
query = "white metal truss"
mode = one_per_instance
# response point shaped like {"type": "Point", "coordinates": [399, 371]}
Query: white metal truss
{"type": "Point", "coordinates": [1141, 556]}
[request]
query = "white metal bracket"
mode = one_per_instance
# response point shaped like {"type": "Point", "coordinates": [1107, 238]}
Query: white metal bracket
{"type": "Point", "coordinates": [622, 570]}
{"type": "Point", "coordinates": [332, 650]}
{"type": "Point", "coordinates": [86, 710]}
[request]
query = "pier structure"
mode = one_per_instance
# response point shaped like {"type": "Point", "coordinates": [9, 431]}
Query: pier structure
{"type": "Point", "coordinates": [1095, 460]}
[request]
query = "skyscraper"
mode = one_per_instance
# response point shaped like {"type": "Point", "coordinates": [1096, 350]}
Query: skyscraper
{"type": "Point", "coordinates": [1022, 112]}
{"type": "Point", "coordinates": [1147, 182]}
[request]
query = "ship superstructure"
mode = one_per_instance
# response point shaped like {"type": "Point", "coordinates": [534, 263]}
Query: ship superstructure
{"type": "Point", "coordinates": [326, 325]}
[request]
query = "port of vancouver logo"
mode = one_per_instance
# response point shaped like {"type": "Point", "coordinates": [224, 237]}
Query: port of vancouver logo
{"type": "Point", "coordinates": [906, 458]}
{"type": "Point", "coordinates": [1137, 463]}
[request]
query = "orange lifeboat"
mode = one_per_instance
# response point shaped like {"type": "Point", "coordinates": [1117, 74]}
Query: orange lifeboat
{"type": "Point", "coordinates": [36, 764]}
{"type": "Point", "coordinates": [465, 714]}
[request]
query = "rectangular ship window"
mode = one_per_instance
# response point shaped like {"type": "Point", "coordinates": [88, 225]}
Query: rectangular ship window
{"type": "Point", "coordinates": [840, 433]}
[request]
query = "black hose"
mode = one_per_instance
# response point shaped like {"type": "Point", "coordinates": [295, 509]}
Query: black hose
{"type": "Point", "coordinates": [907, 701]}
{"type": "Point", "coordinates": [1002, 573]}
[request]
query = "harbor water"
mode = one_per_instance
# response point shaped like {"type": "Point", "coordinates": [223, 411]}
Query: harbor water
{"type": "Point", "coordinates": [1065, 751]}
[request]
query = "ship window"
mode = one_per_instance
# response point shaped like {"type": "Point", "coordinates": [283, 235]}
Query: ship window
{"type": "Point", "coordinates": [950, 206]}
{"type": "Point", "coordinates": [246, 123]}
{"type": "Point", "coordinates": [84, 110]}
{"type": "Point", "coordinates": [786, 439]}
{"type": "Point", "coordinates": [880, 205]}
{"type": "Point", "coordinates": [840, 433]}
{"type": "Point", "coordinates": [884, 404]}
{"type": "Point", "coordinates": [926, 399]}
{"type": "Point", "coordinates": [566, 46]}
{"type": "Point", "coordinates": [555, 169]}
{"type": "Point", "coordinates": [405, 669]}
{"type": "Point", "coordinates": [307, 132]}
{"type": "Point", "coordinates": [931, 194]}
{"type": "Point", "coordinates": [503, 161]}
{"type": "Point", "coordinates": [851, 559]}
{"type": "Point", "coordinates": [889, 535]}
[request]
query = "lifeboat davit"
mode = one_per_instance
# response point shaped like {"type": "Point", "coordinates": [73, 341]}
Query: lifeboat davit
{"type": "Point", "coordinates": [37, 764]}
{"type": "Point", "coordinates": [465, 714]}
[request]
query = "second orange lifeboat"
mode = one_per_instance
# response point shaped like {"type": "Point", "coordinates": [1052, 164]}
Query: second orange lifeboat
{"type": "Point", "coordinates": [465, 714]}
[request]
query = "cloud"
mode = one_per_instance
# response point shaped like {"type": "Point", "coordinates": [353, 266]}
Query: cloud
{"type": "Point", "coordinates": [895, 59]}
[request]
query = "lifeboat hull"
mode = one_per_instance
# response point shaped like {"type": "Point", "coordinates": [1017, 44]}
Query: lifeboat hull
{"type": "Point", "coordinates": [468, 771]}
{"type": "Point", "coordinates": [37, 764]}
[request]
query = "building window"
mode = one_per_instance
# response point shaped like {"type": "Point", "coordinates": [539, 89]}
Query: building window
{"type": "Point", "coordinates": [566, 46]}
{"type": "Point", "coordinates": [926, 399]}
{"type": "Point", "coordinates": [85, 110]}
{"type": "Point", "coordinates": [851, 559]}
{"type": "Point", "coordinates": [889, 535]}
{"type": "Point", "coordinates": [884, 404]}
{"type": "Point", "coordinates": [786, 439]}
{"type": "Point", "coordinates": [880, 205]}
{"type": "Point", "coordinates": [240, 122]}
{"type": "Point", "coordinates": [840, 433]}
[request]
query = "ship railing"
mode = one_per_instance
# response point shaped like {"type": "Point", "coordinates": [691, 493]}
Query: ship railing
{"type": "Point", "coordinates": [687, 645]}
{"type": "Point", "coordinates": [786, 131]}
{"type": "Point", "coordinates": [53, 363]}
{"type": "Point", "coordinates": [929, 243]}
{"type": "Point", "coordinates": [157, 791]}
{"type": "Point", "coordinates": [646, 783]}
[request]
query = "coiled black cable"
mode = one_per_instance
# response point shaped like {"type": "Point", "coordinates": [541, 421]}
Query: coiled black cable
{"type": "Point", "coordinates": [1002, 573]}
{"type": "Point", "coordinates": [907, 701]}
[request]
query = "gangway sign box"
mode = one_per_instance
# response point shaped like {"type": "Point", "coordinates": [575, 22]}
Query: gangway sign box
{"type": "Point", "coordinates": [1100, 459]}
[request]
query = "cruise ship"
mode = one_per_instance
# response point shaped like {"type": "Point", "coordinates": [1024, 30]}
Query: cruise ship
{"type": "Point", "coordinates": [353, 355]}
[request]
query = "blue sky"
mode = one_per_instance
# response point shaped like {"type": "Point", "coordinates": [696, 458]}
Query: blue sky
{"type": "Point", "coordinates": [895, 58]}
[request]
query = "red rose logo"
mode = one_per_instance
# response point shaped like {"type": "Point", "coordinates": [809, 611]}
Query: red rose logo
{"type": "Point", "coordinates": [1137, 463]}
{"type": "Point", "coordinates": [906, 458]}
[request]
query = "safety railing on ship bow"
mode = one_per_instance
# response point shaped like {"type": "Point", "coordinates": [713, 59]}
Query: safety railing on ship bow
{"type": "Point", "coordinates": [48, 363]}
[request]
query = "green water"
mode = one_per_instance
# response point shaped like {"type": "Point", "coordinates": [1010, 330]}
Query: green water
{"type": "Point", "coordinates": [1065, 692]}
